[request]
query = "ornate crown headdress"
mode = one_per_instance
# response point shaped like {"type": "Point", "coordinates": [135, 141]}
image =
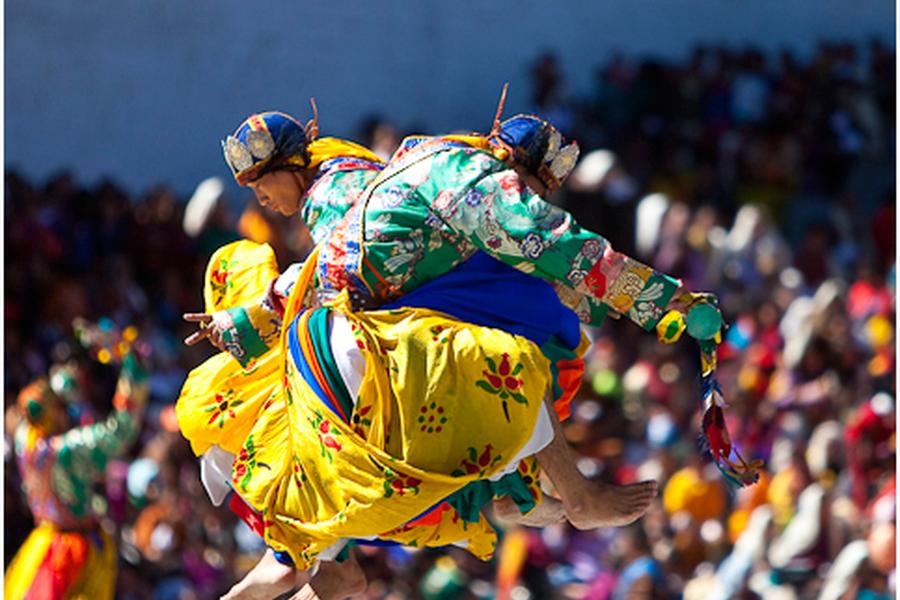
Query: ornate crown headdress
{"type": "Point", "coordinates": [268, 139]}
{"type": "Point", "coordinates": [535, 144]}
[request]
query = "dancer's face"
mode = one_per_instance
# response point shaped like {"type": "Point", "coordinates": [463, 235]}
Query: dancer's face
{"type": "Point", "coordinates": [282, 191]}
{"type": "Point", "coordinates": [532, 181]}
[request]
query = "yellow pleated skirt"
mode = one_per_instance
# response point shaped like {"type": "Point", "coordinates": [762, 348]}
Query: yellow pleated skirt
{"type": "Point", "coordinates": [442, 403]}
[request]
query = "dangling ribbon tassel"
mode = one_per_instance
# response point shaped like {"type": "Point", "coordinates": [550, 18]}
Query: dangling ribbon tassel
{"type": "Point", "coordinates": [312, 126]}
{"type": "Point", "coordinates": [738, 471]}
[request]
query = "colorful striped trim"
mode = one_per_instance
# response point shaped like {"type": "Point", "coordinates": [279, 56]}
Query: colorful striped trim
{"type": "Point", "coordinates": [309, 348]}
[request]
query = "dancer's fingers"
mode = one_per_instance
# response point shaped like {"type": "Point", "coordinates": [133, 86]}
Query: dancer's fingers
{"type": "Point", "coordinates": [215, 338]}
{"type": "Point", "coordinates": [197, 317]}
{"type": "Point", "coordinates": [196, 337]}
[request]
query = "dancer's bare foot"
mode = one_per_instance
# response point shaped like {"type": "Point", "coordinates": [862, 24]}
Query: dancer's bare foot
{"type": "Point", "coordinates": [548, 511]}
{"type": "Point", "coordinates": [590, 504]}
{"type": "Point", "coordinates": [604, 505]}
{"type": "Point", "coordinates": [334, 581]}
{"type": "Point", "coordinates": [268, 579]}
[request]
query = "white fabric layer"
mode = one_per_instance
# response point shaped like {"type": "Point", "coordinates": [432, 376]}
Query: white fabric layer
{"type": "Point", "coordinates": [215, 473]}
{"type": "Point", "coordinates": [350, 361]}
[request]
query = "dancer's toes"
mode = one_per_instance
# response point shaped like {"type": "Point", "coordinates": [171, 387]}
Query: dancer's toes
{"type": "Point", "coordinates": [606, 505]}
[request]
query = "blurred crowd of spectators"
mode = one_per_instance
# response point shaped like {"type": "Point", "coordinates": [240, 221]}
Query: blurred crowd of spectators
{"type": "Point", "coordinates": [765, 179]}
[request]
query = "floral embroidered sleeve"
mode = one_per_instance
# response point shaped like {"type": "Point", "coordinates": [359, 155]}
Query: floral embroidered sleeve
{"type": "Point", "coordinates": [481, 199]}
{"type": "Point", "coordinates": [88, 448]}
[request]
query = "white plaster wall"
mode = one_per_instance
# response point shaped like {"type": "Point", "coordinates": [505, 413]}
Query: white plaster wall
{"type": "Point", "coordinates": [143, 90]}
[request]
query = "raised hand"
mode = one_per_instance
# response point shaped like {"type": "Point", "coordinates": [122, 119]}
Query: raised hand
{"type": "Point", "coordinates": [207, 329]}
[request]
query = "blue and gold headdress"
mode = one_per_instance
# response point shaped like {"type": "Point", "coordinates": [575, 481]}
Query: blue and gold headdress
{"type": "Point", "coordinates": [274, 140]}
{"type": "Point", "coordinates": [536, 145]}
{"type": "Point", "coordinates": [264, 141]}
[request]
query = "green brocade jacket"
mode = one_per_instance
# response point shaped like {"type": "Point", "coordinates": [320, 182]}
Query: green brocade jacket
{"type": "Point", "coordinates": [384, 233]}
{"type": "Point", "coordinates": [439, 201]}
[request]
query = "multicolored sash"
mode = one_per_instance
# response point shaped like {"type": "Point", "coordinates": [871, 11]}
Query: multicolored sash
{"type": "Point", "coordinates": [311, 352]}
